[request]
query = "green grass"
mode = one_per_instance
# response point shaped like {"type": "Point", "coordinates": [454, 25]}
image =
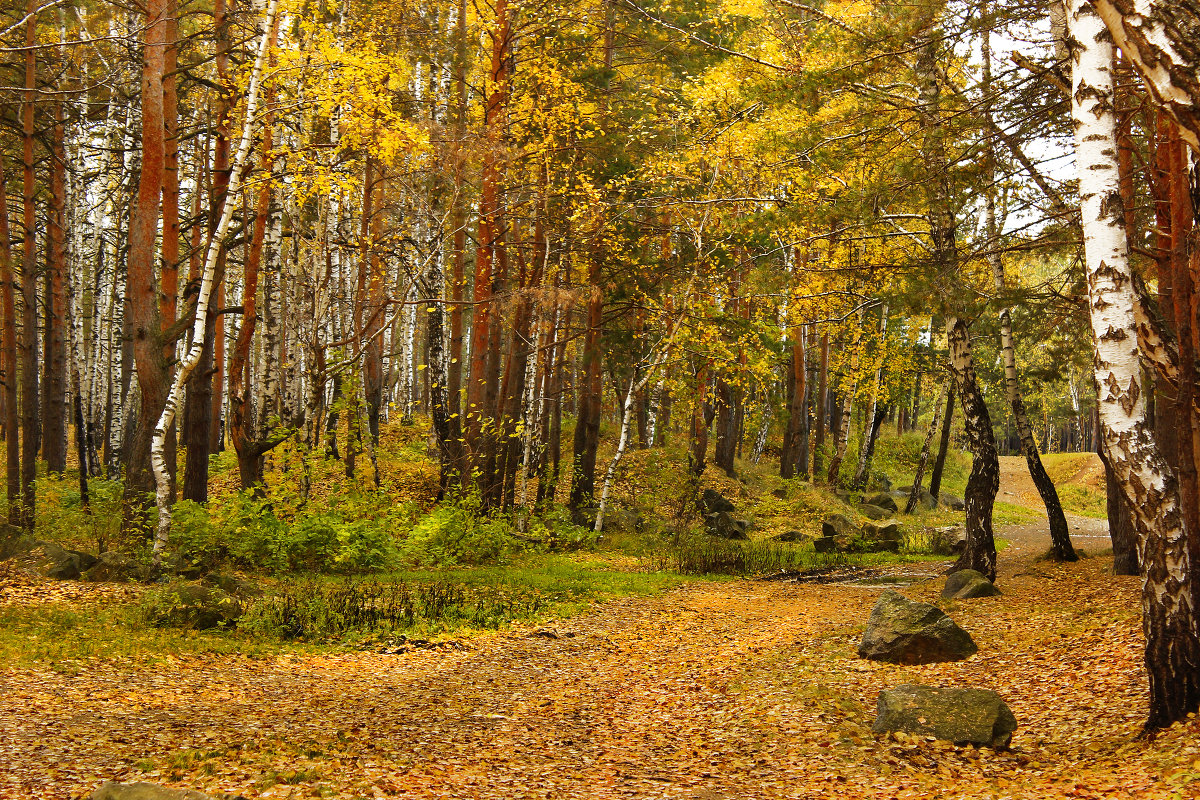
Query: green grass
{"type": "Point", "coordinates": [1011, 514]}
{"type": "Point", "coordinates": [1083, 500]}
{"type": "Point", "coordinates": [67, 638]}
{"type": "Point", "coordinates": [544, 587]}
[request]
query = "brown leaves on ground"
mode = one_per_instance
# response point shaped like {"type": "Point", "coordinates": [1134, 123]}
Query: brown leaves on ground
{"type": "Point", "coordinates": [713, 690]}
{"type": "Point", "coordinates": [20, 587]}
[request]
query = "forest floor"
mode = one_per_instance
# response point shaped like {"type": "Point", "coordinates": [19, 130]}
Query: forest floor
{"type": "Point", "coordinates": [716, 689]}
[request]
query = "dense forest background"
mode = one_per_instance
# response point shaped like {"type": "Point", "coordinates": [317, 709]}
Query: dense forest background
{"type": "Point", "coordinates": [310, 285]}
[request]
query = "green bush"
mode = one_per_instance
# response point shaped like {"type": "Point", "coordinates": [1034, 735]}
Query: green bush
{"type": "Point", "coordinates": [247, 533]}
{"type": "Point", "coordinates": [453, 535]}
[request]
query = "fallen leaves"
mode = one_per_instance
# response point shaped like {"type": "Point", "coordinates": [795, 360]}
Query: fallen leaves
{"type": "Point", "coordinates": [713, 690]}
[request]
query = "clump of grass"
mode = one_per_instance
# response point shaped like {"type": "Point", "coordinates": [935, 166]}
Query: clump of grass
{"type": "Point", "coordinates": [313, 611]}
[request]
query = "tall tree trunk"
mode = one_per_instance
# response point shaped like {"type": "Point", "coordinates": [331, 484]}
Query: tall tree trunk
{"type": "Point", "coordinates": [9, 337]}
{"type": "Point", "coordinates": [797, 407]}
{"type": "Point", "coordinates": [842, 432]}
{"type": "Point", "coordinates": [250, 448]}
{"type": "Point", "coordinates": [1060, 536]}
{"type": "Point", "coordinates": [867, 447]}
{"type": "Point", "coordinates": [29, 404]}
{"type": "Point", "coordinates": [984, 481]}
{"type": "Point", "coordinates": [939, 463]}
{"type": "Point", "coordinates": [914, 495]}
{"type": "Point", "coordinates": [198, 418]}
{"type": "Point", "coordinates": [587, 425]}
{"type": "Point", "coordinates": [142, 287]}
{"type": "Point", "coordinates": [54, 351]}
{"type": "Point", "coordinates": [207, 284]}
{"type": "Point", "coordinates": [1147, 482]}
{"type": "Point", "coordinates": [483, 386]}
{"type": "Point", "coordinates": [822, 397]}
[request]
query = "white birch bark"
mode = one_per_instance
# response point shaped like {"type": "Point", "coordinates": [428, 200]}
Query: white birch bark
{"type": "Point", "coordinates": [1146, 481]}
{"type": "Point", "coordinates": [192, 358]}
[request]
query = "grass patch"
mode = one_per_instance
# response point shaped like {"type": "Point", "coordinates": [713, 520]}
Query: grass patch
{"type": "Point", "coordinates": [1012, 514]}
{"type": "Point", "coordinates": [313, 613]}
{"type": "Point", "coordinates": [1083, 500]}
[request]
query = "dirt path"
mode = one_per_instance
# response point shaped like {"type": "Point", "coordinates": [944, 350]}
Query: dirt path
{"type": "Point", "coordinates": [716, 690]}
{"type": "Point", "coordinates": [1087, 534]}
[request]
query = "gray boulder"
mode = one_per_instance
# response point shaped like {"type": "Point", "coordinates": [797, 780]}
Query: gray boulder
{"type": "Point", "coordinates": [232, 584]}
{"type": "Point", "coordinates": [962, 716]}
{"type": "Point", "coordinates": [901, 631]}
{"type": "Point", "coordinates": [115, 567]}
{"type": "Point", "coordinates": [883, 500]}
{"type": "Point", "coordinates": [948, 541]}
{"type": "Point", "coordinates": [723, 524]}
{"type": "Point", "coordinates": [924, 500]}
{"type": "Point", "coordinates": [883, 535]}
{"type": "Point", "coordinates": [618, 519]}
{"type": "Point", "coordinates": [143, 791]}
{"type": "Point", "coordinates": [54, 561]}
{"type": "Point", "coordinates": [193, 605]}
{"type": "Point", "coordinates": [966, 584]}
{"type": "Point", "coordinates": [838, 525]}
{"type": "Point", "coordinates": [13, 542]}
{"type": "Point", "coordinates": [952, 501]}
{"type": "Point", "coordinates": [826, 544]}
{"type": "Point", "coordinates": [712, 502]}
{"type": "Point", "coordinates": [874, 512]}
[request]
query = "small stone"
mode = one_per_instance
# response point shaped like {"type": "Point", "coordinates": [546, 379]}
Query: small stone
{"type": "Point", "coordinates": [874, 512]}
{"type": "Point", "coordinates": [883, 500]}
{"type": "Point", "coordinates": [965, 584]}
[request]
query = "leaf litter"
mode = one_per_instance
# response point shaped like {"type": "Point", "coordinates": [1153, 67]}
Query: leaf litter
{"type": "Point", "coordinates": [722, 689]}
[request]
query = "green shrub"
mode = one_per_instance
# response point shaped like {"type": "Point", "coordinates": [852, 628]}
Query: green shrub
{"type": "Point", "coordinates": [452, 535]}
{"type": "Point", "coordinates": [246, 533]}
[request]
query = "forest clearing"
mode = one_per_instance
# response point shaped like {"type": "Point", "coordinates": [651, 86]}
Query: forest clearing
{"type": "Point", "coordinates": [593, 398]}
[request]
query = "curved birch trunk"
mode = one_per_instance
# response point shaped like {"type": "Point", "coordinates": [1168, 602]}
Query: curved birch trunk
{"type": "Point", "coordinates": [158, 442]}
{"type": "Point", "coordinates": [1146, 481]}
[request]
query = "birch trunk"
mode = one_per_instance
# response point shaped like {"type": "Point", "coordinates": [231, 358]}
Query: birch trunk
{"type": "Point", "coordinates": [867, 447]}
{"type": "Point", "coordinates": [914, 495]}
{"type": "Point", "coordinates": [192, 358]}
{"type": "Point", "coordinates": [1168, 616]}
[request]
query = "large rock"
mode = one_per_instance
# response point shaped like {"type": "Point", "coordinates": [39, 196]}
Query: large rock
{"type": "Point", "coordinates": [13, 542]}
{"type": "Point", "coordinates": [883, 535]}
{"type": "Point", "coordinates": [193, 605]}
{"type": "Point", "coordinates": [952, 501]}
{"type": "Point", "coordinates": [712, 502]}
{"type": "Point", "coordinates": [962, 716]}
{"type": "Point", "coordinates": [905, 632]}
{"type": "Point", "coordinates": [924, 500]}
{"type": "Point", "coordinates": [723, 524]}
{"type": "Point", "coordinates": [874, 512]}
{"type": "Point", "coordinates": [143, 791]}
{"type": "Point", "coordinates": [966, 584]}
{"type": "Point", "coordinates": [115, 567]}
{"type": "Point", "coordinates": [794, 537]}
{"type": "Point", "coordinates": [880, 481]}
{"type": "Point", "coordinates": [948, 541]}
{"type": "Point", "coordinates": [838, 525]}
{"type": "Point", "coordinates": [618, 519]}
{"type": "Point", "coordinates": [883, 500]}
{"type": "Point", "coordinates": [54, 561]}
